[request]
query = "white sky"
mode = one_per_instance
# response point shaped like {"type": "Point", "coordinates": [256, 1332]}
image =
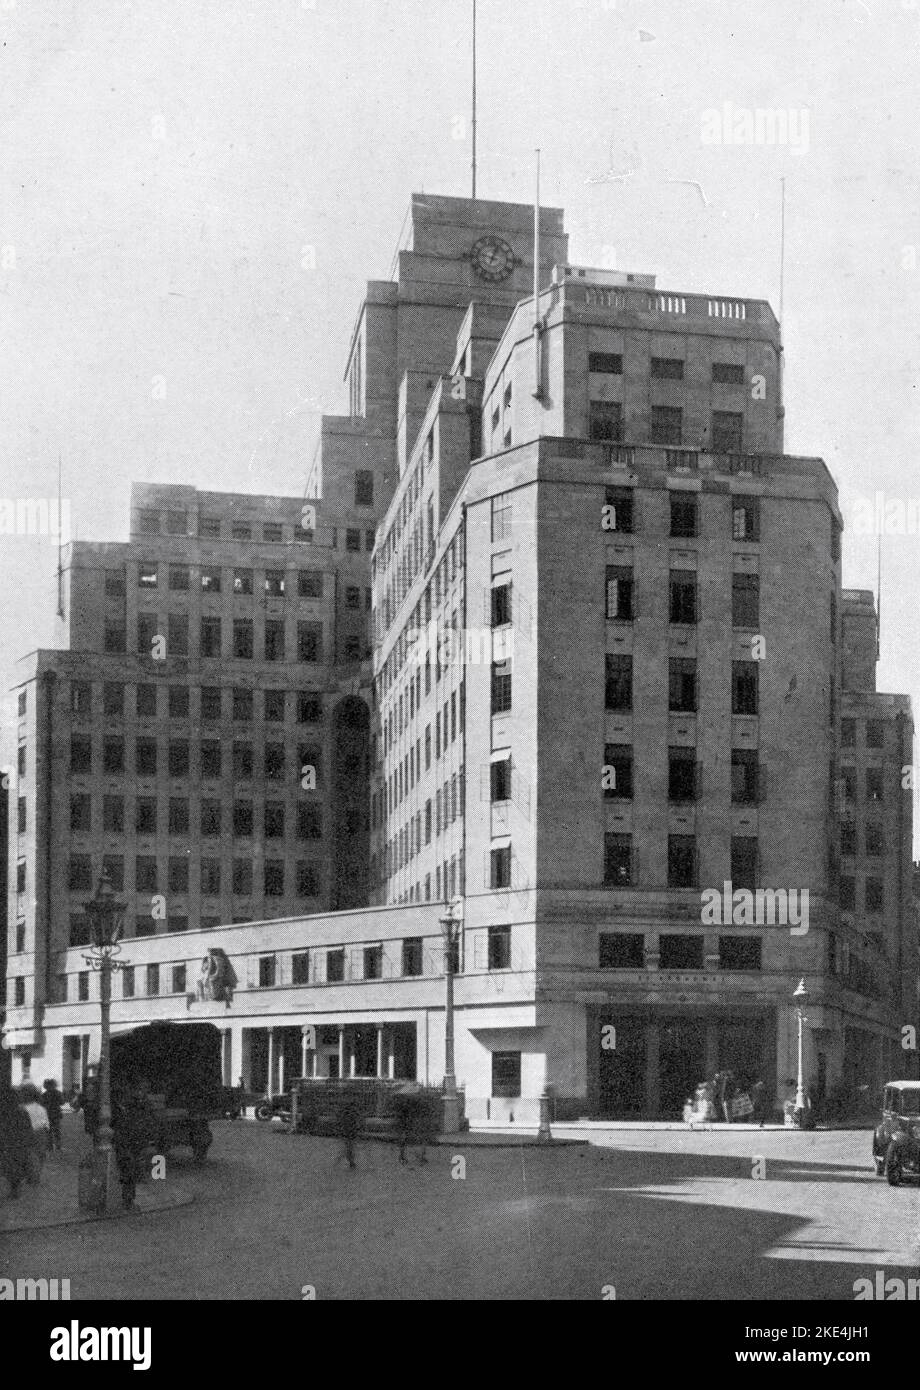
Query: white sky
{"type": "Point", "coordinates": [165, 163]}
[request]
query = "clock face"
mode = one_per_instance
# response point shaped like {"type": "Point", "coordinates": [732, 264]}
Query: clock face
{"type": "Point", "coordinates": [492, 258]}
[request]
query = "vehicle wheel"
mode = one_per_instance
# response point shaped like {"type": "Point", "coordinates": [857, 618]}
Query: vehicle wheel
{"type": "Point", "coordinates": [893, 1169]}
{"type": "Point", "coordinates": [264, 1111]}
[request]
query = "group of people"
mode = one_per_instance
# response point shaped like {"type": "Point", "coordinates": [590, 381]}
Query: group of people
{"type": "Point", "coordinates": [30, 1129]}
{"type": "Point", "coordinates": [726, 1099]}
{"type": "Point", "coordinates": [412, 1119]}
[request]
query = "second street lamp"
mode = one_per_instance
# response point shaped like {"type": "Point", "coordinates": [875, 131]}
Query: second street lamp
{"type": "Point", "coordinates": [451, 924]}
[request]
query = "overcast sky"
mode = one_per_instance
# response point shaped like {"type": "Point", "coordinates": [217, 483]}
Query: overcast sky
{"type": "Point", "coordinates": [166, 164]}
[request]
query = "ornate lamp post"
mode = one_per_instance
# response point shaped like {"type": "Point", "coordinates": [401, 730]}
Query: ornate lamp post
{"type": "Point", "coordinates": [451, 924]}
{"type": "Point", "coordinates": [106, 917]}
{"type": "Point", "coordinates": [800, 999]}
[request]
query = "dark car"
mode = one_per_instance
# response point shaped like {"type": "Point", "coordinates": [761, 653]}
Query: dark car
{"type": "Point", "coordinates": [896, 1140]}
{"type": "Point", "coordinates": [181, 1064]}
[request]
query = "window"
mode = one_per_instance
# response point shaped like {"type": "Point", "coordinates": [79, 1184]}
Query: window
{"type": "Point", "coordinates": [242, 704]}
{"type": "Point", "coordinates": [848, 837]}
{"type": "Point", "coordinates": [148, 522]}
{"type": "Point", "coordinates": [744, 861]}
{"type": "Point", "coordinates": [745, 776]}
{"type": "Point", "coordinates": [684, 510]}
{"type": "Point", "coordinates": [179, 578]}
{"type": "Point", "coordinates": [307, 881]}
{"type": "Point", "coordinates": [667, 369]}
{"type": "Point", "coordinates": [178, 874]}
{"type": "Point", "coordinates": [242, 581]}
{"type": "Point", "coordinates": [500, 868]}
{"type": "Point", "coordinates": [746, 600]}
{"type": "Point", "coordinates": [81, 872]}
{"type": "Point", "coordinates": [501, 517]}
{"type": "Point", "coordinates": [335, 965]}
{"type": "Point", "coordinates": [210, 877]}
{"type": "Point", "coordinates": [300, 968]}
{"type": "Point", "coordinates": [241, 531]}
{"type": "Point", "coordinates": [728, 373]}
{"type": "Point", "coordinates": [620, 510]}
{"type": "Point", "coordinates": [178, 979]}
{"type": "Point", "coordinates": [83, 986]}
{"type": "Point", "coordinates": [114, 583]}
{"type": "Point", "coordinates": [848, 733]}
{"type": "Point", "coordinates": [608, 363]}
{"type": "Point", "coordinates": [242, 761]}
{"type": "Point", "coordinates": [146, 701]}
{"type": "Point", "coordinates": [80, 811]}
{"type": "Point", "coordinates": [266, 972]}
{"type": "Point", "coordinates": [875, 895]}
{"type": "Point", "coordinates": [605, 421]}
{"type": "Point", "coordinates": [176, 523]}
{"type": "Point", "coordinates": [618, 680]}
{"type": "Point", "coordinates": [681, 861]}
{"type": "Point", "coordinates": [177, 634]}
{"type": "Point", "coordinates": [274, 583]}
{"type": "Point", "coordinates": [620, 593]}
{"type": "Point", "coordinates": [209, 527]}
{"type": "Point", "coordinates": [310, 583]}
{"type": "Point", "coordinates": [178, 816]}
{"type": "Point", "coordinates": [113, 699]}
{"type": "Point", "coordinates": [352, 596]}
{"type": "Point", "coordinates": [727, 431]}
{"type": "Point", "coordinates": [412, 955]}
{"type": "Point", "coordinates": [211, 703]}
{"type": "Point", "coordinates": [364, 488]}
{"type": "Point", "coordinates": [683, 605]}
{"type": "Point", "coordinates": [617, 860]}
{"type": "Point", "coordinates": [210, 637]}
{"type": "Point", "coordinates": [21, 760]}
{"type": "Point", "coordinates": [499, 952]}
{"type": "Point", "coordinates": [81, 697]}
{"type": "Point", "coordinates": [147, 576]}
{"type": "Point", "coordinates": [621, 951]}
{"type": "Point", "coordinates": [274, 762]}
{"type": "Point", "coordinates": [667, 425]}
{"type": "Point", "coordinates": [500, 605]}
{"type": "Point", "coordinates": [680, 952]}
{"type": "Point", "coordinates": [81, 754]}
{"type": "Point", "coordinates": [272, 531]}
{"type": "Point", "coordinates": [506, 1075]}
{"type": "Point", "coordinates": [501, 687]}
{"type": "Point", "coordinates": [274, 820]}
{"type": "Point", "coordinates": [145, 755]}
{"type": "Point", "coordinates": [309, 641]}
{"type": "Point", "coordinates": [79, 929]}
{"type": "Point", "coordinates": [352, 539]}
{"type": "Point", "coordinates": [145, 815]}
{"type": "Point", "coordinates": [210, 758]}
{"type": "Point", "coordinates": [21, 876]}
{"type": "Point", "coordinates": [500, 780]}
{"type": "Point", "coordinates": [373, 962]}
{"type": "Point", "coordinates": [178, 757]}
{"type": "Point", "coordinates": [875, 838]}
{"type": "Point", "coordinates": [846, 893]}
{"type": "Point", "coordinates": [745, 519]}
{"type": "Point", "coordinates": [178, 702]}
{"type": "Point", "coordinates": [874, 784]}
{"type": "Point", "coordinates": [145, 873]}
{"type": "Point", "coordinates": [21, 815]}
{"type": "Point", "coordinates": [369, 537]}
{"type": "Point", "coordinates": [210, 817]}
{"type": "Point", "coordinates": [875, 733]}
{"type": "Point", "coordinates": [428, 822]}
{"type": "Point", "coordinates": [273, 879]}
{"type": "Point", "coordinates": [352, 649]}
{"type": "Point", "coordinates": [309, 708]}
{"type": "Point", "coordinates": [739, 953]}
{"type": "Point", "coordinates": [210, 580]}
{"type": "Point", "coordinates": [127, 981]}
{"type": "Point", "coordinates": [617, 780]}
{"type": "Point", "coordinates": [153, 979]}
{"type": "Point", "coordinates": [309, 820]}
{"type": "Point", "coordinates": [242, 875]}
{"type": "Point", "coordinates": [274, 705]}
{"type": "Point", "coordinates": [682, 774]}
{"type": "Point", "coordinates": [115, 637]}
{"type": "Point", "coordinates": [744, 687]}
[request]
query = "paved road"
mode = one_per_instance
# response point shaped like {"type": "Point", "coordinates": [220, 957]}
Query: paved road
{"type": "Point", "coordinates": [665, 1215]}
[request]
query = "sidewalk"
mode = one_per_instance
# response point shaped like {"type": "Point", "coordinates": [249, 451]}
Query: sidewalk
{"type": "Point", "coordinates": [54, 1201]}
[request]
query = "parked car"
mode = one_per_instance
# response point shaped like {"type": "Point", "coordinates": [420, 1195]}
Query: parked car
{"type": "Point", "coordinates": [896, 1139]}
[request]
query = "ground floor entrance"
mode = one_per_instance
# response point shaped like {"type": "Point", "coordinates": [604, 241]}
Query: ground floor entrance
{"type": "Point", "coordinates": [272, 1057]}
{"type": "Point", "coordinates": [644, 1064]}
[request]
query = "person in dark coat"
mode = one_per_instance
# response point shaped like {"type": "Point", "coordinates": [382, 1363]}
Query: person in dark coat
{"type": "Point", "coordinates": [53, 1101]}
{"type": "Point", "coordinates": [133, 1127]}
{"type": "Point", "coordinates": [413, 1121]}
{"type": "Point", "coordinates": [349, 1127]}
{"type": "Point", "coordinates": [16, 1142]}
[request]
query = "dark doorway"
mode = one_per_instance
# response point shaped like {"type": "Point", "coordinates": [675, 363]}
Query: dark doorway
{"type": "Point", "coordinates": [621, 1067]}
{"type": "Point", "coordinates": [405, 1060]}
{"type": "Point", "coordinates": [364, 1049]}
{"type": "Point", "coordinates": [741, 1050]}
{"type": "Point", "coordinates": [681, 1059]}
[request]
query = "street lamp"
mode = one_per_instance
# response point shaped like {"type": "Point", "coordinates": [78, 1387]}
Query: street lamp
{"type": "Point", "coordinates": [451, 924]}
{"type": "Point", "coordinates": [106, 917]}
{"type": "Point", "coordinates": [800, 999]}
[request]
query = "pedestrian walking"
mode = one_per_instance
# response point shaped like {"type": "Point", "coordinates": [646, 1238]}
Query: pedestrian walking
{"type": "Point", "coordinates": [41, 1130]}
{"type": "Point", "coordinates": [413, 1121]}
{"type": "Point", "coordinates": [15, 1140]}
{"type": "Point", "coordinates": [53, 1101]}
{"type": "Point", "coordinates": [132, 1130]}
{"type": "Point", "coordinates": [349, 1125]}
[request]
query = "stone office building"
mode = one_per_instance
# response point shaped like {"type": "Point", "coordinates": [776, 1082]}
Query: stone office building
{"type": "Point", "coordinates": [612, 657]}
